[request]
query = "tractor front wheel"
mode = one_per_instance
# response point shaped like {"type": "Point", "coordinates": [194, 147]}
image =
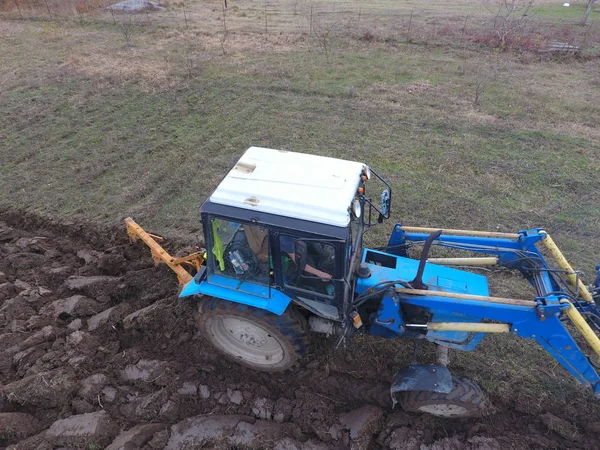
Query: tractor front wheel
{"type": "Point", "coordinates": [465, 400]}
{"type": "Point", "coordinates": [254, 337]}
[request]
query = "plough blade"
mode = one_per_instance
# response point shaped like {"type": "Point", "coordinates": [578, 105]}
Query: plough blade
{"type": "Point", "coordinates": [422, 377]}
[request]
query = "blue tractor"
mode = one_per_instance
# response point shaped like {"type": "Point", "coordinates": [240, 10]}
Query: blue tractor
{"type": "Point", "coordinates": [284, 256]}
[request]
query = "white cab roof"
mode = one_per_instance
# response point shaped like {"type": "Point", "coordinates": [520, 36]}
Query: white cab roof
{"type": "Point", "coordinates": [308, 187]}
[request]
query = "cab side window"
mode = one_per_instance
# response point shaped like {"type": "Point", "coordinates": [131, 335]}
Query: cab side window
{"type": "Point", "coordinates": [319, 269]}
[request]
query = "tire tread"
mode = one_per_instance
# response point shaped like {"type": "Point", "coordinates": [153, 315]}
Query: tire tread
{"type": "Point", "coordinates": [464, 392]}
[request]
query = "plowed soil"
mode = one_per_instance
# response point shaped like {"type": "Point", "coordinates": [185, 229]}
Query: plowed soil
{"type": "Point", "coordinates": [96, 352]}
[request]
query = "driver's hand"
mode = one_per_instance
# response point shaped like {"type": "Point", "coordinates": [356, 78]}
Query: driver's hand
{"type": "Point", "coordinates": [324, 276]}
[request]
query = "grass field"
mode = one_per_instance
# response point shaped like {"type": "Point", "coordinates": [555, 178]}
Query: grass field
{"type": "Point", "coordinates": [97, 128]}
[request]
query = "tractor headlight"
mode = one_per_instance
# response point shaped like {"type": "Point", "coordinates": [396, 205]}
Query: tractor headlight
{"type": "Point", "coordinates": [356, 208]}
{"type": "Point", "coordinates": [367, 172]}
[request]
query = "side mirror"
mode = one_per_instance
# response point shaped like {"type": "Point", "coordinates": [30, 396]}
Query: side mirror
{"type": "Point", "coordinates": [385, 206]}
{"type": "Point", "coordinates": [385, 202]}
{"type": "Point", "coordinates": [301, 254]}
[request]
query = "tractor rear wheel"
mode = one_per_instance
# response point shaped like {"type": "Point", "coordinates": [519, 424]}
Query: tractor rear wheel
{"type": "Point", "coordinates": [254, 337]}
{"type": "Point", "coordinates": [465, 400]}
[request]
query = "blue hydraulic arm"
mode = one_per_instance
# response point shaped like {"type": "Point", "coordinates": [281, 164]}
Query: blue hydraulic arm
{"type": "Point", "coordinates": [541, 319]}
{"type": "Point", "coordinates": [526, 322]}
{"type": "Point", "coordinates": [513, 250]}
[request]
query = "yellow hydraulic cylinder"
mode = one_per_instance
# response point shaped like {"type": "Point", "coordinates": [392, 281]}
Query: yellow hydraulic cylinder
{"type": "Point", "coordinates": [470, 327]}
{"type": "Point", "coordinates": [458, 297]}
{"type": "Point", "coordinates": [485, 261]}
{"type": "Point", "coordinates": [579, 321]}
{"type": "Point", "coordinates": [463, 232]}
{"type": "Point", "coordinates": [564, 264]}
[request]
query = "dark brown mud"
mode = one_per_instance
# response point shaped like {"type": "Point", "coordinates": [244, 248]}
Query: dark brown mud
{"type": "Point", "coordinates": [95, 352]}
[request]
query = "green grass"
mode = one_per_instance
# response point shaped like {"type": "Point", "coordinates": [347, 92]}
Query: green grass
{"type": "Point", "coordinates": [572, 13]}
{"type": "Point", "coordinates": [510, 163]}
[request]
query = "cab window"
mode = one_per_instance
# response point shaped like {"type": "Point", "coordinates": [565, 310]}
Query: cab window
{"type": "Point", "coordinates": [319, 271]}
{"type": "Point", "coordinates": [240, 251]}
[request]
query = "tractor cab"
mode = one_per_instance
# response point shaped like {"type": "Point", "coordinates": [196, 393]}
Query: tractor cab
{"type": "Point", "coordinates": [284, 227]}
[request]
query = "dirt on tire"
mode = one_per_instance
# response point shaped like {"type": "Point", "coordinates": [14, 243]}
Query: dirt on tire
{"type": "Point", "coordinates": [97, 352]}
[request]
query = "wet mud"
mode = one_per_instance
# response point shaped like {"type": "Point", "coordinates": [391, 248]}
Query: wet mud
{"type": "Point", "coordinates": [96, 353]}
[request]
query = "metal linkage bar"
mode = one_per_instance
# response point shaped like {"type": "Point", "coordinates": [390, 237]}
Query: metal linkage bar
{"type": "Point", "coordinates": [453, 295]}
{"type": "Point", "coordinates": [524, 321]}
{"type": "Point", "coordinates": [159, 254]}
{"type": "Point", "coordinates": [539, 320]}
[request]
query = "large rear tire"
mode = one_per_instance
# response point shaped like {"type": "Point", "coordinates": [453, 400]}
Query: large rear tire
{"type": "Point", "coordinates": [465, 400]}
{"type": "Point", "coordinates": [253, 337]}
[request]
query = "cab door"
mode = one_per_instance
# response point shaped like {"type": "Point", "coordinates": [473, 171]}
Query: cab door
{"type": "Point", "coordinates": [318, 286]}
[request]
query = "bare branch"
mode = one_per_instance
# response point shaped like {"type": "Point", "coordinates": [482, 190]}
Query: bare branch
{"type": "Point", "coordinates": [323, 29]}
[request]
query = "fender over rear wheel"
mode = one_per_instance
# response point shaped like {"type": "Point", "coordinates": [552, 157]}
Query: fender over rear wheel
{"type": "Point", "coordinates": [254, 337]}
{"type": "Point", "coordinates": [465, 400]}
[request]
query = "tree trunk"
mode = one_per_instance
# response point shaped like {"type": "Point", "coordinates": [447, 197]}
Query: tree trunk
{"type": "Point", "coordinates": [587, 12]}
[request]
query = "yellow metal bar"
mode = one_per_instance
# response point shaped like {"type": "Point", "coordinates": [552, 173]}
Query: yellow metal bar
{"type": "Point", "coordinates": [485, 261]}
{"type": "Point", "coordinates": [470, 327]}
{"type": "Point", "coordinates": [463, 232]}
{"type": "Point", "coordinates": [564, 265]}
{"type": "Point", "coordinates": [578, 320]}
{"type": "Point", "coordinates": [158, 253]}
{"type": "Point", "coordinates": [481, 298]}
{"type": "Point", "coordinates": [193, 259]}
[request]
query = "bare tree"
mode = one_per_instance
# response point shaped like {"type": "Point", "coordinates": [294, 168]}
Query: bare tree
{"type": "Point", "coordinates": [126, 25]}
{"type": "Point", "coordinates": [482, 82]}
{"type": "Point", "coordinates": [18, 8]}
{"type": "Point", "coordinates": [304, 18]}
{"type": "Point", "coordinates": [323, 30]}
{"type": "Point", "coordinates": [484, 75]}
{"type": "Point", "coordinates": [588, 10]}
{"type": "Point", "coordinates": [189, 61]}
{"type": "Point", "coordinates": [48, 8]}
{"type": "Point", "coordinates": [225, 34]}
{"type": "Point", "coordinates": [510, 17]}
{"type": "Point", "coordinates": [185, 16]}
